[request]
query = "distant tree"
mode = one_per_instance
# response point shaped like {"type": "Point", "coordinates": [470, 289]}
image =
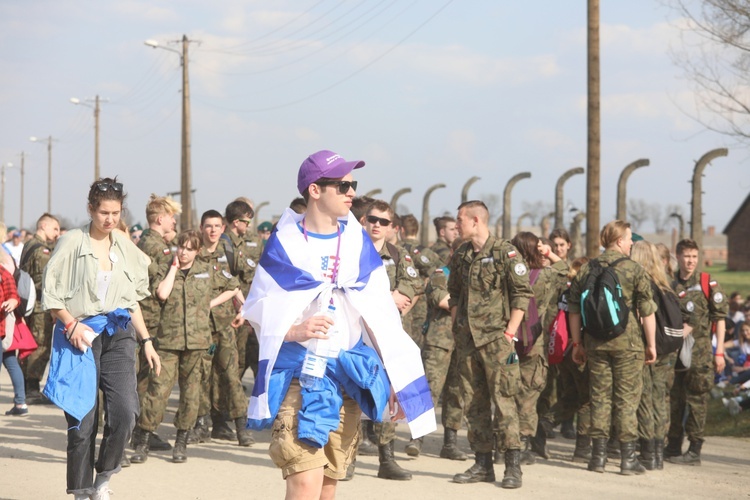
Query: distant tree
{"type": "Point", "coordinates": [494, 204]}
{"type": "Point", "coordinates": [537, 209]}
{"type": "Point", "coordinates": [639, 211]}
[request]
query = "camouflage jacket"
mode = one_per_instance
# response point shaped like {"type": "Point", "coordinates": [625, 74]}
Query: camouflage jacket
{"type": "Point", "coordinates": [221, 280]}
{"type": "Point", "coordinates": [253, 250]}
{"type": "Point", "coordinates": [153, 245]}
{"type": "Point", "coordinates": [402, 275]}
{"type": "Point", "coordinates": [699, 312]}
{"type": "Point", "coordinates": [185, 315]}
{"type": "Point", "coordinates": [636, 291]}
{"type": "Point", "coordinates": [35, 255]}
{"type": "Point", "coordinates": [546, 292]}
{"type": "Point", "coordinates": [242, 265]}
{"type": "Point", "coordinates": [425, 260]}
{"type": "Point", "coordinates": [443, 251]}
{"type": "Point", "coordinates": [439, 330]}
{"type": "Point", "coordinates": [485, 286]}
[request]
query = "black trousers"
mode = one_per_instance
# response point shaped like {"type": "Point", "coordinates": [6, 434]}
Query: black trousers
{"type": "Point", "coordinates": [115, 367]}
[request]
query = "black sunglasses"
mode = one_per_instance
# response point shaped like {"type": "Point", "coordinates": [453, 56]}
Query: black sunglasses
{"type": "Point", "coordinates": [105, 186]}
{"type": "Point", "coordinates": [342, 185]}
{"type": "Point", "coordinates": [374, 220]}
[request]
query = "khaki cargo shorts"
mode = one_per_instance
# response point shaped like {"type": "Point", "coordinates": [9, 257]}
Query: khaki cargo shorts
{"type": "Point", "coordinates": [292, 456]}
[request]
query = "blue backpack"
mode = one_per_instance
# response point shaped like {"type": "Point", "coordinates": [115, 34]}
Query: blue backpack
{"type": "Point", "coordinates": [603, 309]}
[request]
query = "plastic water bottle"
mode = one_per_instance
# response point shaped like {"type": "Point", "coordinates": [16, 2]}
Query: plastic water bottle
{"type": "Point", "coordinates": [316, 358]}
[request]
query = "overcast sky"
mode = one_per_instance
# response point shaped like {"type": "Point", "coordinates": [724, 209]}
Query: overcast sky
{"type": "Point", "coordinates": [424, 91]}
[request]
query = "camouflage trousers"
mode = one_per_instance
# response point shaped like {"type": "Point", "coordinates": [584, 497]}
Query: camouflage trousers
{"type": "Point", "coordinates": [183, 367]}
{"type": "Point", "coordinates": [653, 410]}
{"type": "Point", "coordinates": [690, 395]}
{"type": "Point", "coordinates": [248, 350]}
{"type": "Point", "coordinates": [489, 374]}
{"type": "Point", "coordinates": [415, 319]}
{"type": "Point", "coordinates": [551, 391]}
{"type": "Point", "coordinates": [534, 370]}
{"type": "Point", "coordinates": [575, 397]}
{"type": "Point", "coordinates": [616, 385]}
{"type": "Point", "coordinates": [142, 369]}
{"type": "Point", "coordinates": [221, 388]}
{"type": "Point", "coordinates": [41, 325]}
{"type": "Point", "coordinates": [441, 370]}
{"type": "Point", "coordinates": [385, 432]}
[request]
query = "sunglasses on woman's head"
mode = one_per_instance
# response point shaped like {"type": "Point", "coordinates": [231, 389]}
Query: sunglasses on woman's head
{"type": "Point", "coordinates": [374, 220]}
{"type": "Point", "coordinates": [342, 185]}
{"type": "Point", "coordinates": [105, 186]}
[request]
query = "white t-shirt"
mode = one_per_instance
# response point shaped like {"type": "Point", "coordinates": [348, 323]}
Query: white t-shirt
{"type": "Point", "coordinates": [348, 324]}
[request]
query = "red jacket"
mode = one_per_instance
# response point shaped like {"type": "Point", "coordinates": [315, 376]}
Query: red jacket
{"type": "Point", "coordinates": [7, 291]}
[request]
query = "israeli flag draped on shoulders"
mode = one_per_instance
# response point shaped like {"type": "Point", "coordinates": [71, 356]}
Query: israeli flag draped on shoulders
{"type": "Point", "coordinates": [284, 286]}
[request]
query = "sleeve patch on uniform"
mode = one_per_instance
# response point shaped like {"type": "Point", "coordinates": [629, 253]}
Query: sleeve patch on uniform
{"type": "Point", "coordinates": [251, 243]}
{"type": "Point", "coordinates": [682, 294]}
{"type": "Point", "coordinates": [407, 258]}
{"type": "Point", "coordinates": [690, 306]}
{"type": "Point", "coordinates": [712, 283]}
{"type": "Point", "coordinates": [718, 297]}
{"type": "Point", "coordinates": [251, 262]}
{"type": "Point", "coordinates": [166, 251]}
{"type": "Point", "coordinates": [520, 269]}
{"type": "Point", "coordinates": [411, 272]}
{"type": "Point", "coordinates": [45, 250]}
{"type": "Point", "coordinates": [202, 276]}
{"type": "Point", "coordinates": [415, 251]}
{"type": "Point", "coordinates": [226, 274]}
{"type": "Point", "coordinates": [424, 259]}
{"type": "Point", "coordinates": [512, 254]}
{"type": "Point", "coordinates": [439, 270]}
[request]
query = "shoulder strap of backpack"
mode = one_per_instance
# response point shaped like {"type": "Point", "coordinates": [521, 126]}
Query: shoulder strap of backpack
{"type": "Point", "coordinates": [393, 251]}
{"type": "Point", "coordinates": [229, 251]}
{"type": "Point", "coordinates": [705, 285]}
{"type": "Point", "coordinates": [27, 253]}
{"type": "Point", "coordinates": [615, 262]}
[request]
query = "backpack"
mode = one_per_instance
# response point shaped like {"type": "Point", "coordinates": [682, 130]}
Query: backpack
{"type": "Point", "coordinates": [559, 335]}
{"type": "Point", "coordinates": [669, 326]}
{"type": "Point", "coordinates": [530, 328]}
{"type": "Point", "coordinates": [26, 292]}
{"type": "Point", "coordinates": [603, 309]}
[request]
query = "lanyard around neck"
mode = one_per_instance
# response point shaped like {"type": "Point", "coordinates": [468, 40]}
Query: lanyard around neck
{"type": "Point", "coordinates": [335, 273]}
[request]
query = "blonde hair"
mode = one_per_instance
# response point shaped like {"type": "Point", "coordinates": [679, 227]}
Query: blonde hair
{"type": "Point", "coordinates": [647, 255]}
{"type": "Point", "coordinates": [612, 232]}
{"type": "Point", "coordinates": [161, 205]}
{"type": "Point", "coordinates": [576, 266]}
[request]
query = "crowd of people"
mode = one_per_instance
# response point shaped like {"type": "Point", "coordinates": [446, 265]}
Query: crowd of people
{"type": "Point", "coordinates": [507, 335]}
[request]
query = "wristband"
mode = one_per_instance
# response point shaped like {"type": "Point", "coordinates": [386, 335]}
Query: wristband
{"type": "Point", "coordinates": [510, 336]}
{"type": "Point", "coordinates": [68, 335]}
{"type": "Point", "coordinates": [546, 254]}
{"type": "Point", "coordinates": [717, 355]}
{"type": "Point", "coordinates": [147, 339]}
{"type": "Point", "coordinates": [67, 327]}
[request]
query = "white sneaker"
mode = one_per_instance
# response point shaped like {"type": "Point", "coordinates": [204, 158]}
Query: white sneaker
{"type": "Point", "coordinates": [103, 493]}
{"type": "Point", "coordinates": [734, 407]}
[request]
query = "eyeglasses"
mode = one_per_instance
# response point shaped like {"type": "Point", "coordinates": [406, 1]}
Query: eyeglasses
{"type": "Point", "coordinates": [342, 185]}
{"type": "Point", "coordinates": [246, 221]}
{"type": "Point", "coordinates": [105, 186]}
{"type": "Point", "coordinates": [375, 220]}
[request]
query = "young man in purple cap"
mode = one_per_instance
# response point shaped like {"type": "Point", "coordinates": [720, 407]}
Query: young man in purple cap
{"type": "Point", "coordinates": [320, 279]}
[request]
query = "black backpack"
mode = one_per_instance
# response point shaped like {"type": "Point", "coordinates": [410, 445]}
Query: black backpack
{"type": "Point", "coordinates": [603, 309]}
{"type": "Point", "coordinates": [669, 327]}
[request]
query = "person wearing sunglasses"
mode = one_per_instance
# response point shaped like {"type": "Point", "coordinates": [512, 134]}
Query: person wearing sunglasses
{"type": "Point", "coordinates": [405, 286]}
{"type": "Point", "coordinates": [92, 285]}
{"type": "Point", "coordinates": [316, 262]}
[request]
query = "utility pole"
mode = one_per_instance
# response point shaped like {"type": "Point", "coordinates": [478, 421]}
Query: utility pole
{"type": "Point", "coordinates": [97, 108]}
{"type": "Point", "coordinates": [2, 189]}
{"type": "Point", "coordinates": [49, 141]}
{"type": "Point", "coordinates": [186, 220]}
{"type": "Point", "coordinates": [23, 160]}
{"type": "Point", "coordinates": [594, 133]}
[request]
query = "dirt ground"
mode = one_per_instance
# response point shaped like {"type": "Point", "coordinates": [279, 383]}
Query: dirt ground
{"type": "Point", "coordinates": [32, 466]}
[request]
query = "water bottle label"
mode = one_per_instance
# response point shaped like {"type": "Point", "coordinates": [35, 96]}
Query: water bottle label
{"type": "Point", "coordinates": [314, 366]}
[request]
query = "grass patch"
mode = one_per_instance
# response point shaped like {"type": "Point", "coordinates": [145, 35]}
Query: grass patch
{"type": "Point", "coordinates": [730, 281]}
{"type": "Point", "coordinates": [720, 423]}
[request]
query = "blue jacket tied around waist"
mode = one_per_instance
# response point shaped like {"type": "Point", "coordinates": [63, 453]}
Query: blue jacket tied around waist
{"type": "Point", "coordinates": [358, 371]}
{"type": "Point", "coordinates": [72, 380]}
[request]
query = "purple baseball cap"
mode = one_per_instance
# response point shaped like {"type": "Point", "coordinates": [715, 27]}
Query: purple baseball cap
{"type": "Point", "coordinates": [324, 164]}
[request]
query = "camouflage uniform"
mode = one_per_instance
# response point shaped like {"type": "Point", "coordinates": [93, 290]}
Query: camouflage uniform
{"type": "Point", "coordinates": [616, 365]}
{"type": "Point", "coordinates": [484, 287]}
{"type": "Point", "coordinates": [404, 278]}
{"type": "Point", "coordinates": [691, 387]}
{"type": "Point", "coordinates": [35, 255]}
{"type": "Point", "coordinates": [534, 366]}
{"type": "Point", "coordinates": [152, 244]}
{"type": "Point", "coordinates": [222, 388]}
{"type": "Point", "coordinates": [181, 343]}
{"type": "Point", "coordinates": [439, 353]}
{"type": "Point", "coordinates": [253, 250]}
{"type": "Point", "coordinates": [425, 261]}
{"type": "Point", "coordinates": [443, 251]}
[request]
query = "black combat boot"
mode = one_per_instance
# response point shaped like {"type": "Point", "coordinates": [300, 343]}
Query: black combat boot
{"type": "Point", "coordinates": [512, 476]}
{"type": "Point", "coordinates": [598, 455]}
{"type": "Point", "coordinates": [179, 452]}
{"type": "Point", "coordinates": [629, 465]}
{"type": "Point", "coordinates": [690, 457]}
{"type": "Point", "coordinates": [528, 457]}
{"type": "Point", "coordinates": [613, 448]}
{"type": "Point", "coordinates": [450, 446]}
{"type": "Point", "coordinates": [350, 470]}
{"type": "Point", "coordinates": [158, 444]}
{"type": "Point", "coordinates": [549, 428]}
{"type": "Point", "coordinates": [389, 469]}
{"type": "Point", "coordinates": [647, 458]}
{"type": "Point", "coordinates": [221, 429]}
{"type": "Point", "coordinates": [140, 440]}
{"type": "Point", "coordinates": [582, 453]}
{"type": "Point", "coordinates": [483, 471]}
{"type": "Point", "coordinates": [674, 447]}
{"type": "Point", "coordinates": [414, 447]}
{"type": "Point", "coordinates": [659, 453]}
{"type": "Point", "coordinates": [567, 430]}
{"type": "Point", "coordinates": [539, 442]}
{"type": "Point", "coordinates": [366, 446]}
{"type": "Point", "coordinates": [199, 433]}
{"type": "Point", "coordinates": [244, 436]}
